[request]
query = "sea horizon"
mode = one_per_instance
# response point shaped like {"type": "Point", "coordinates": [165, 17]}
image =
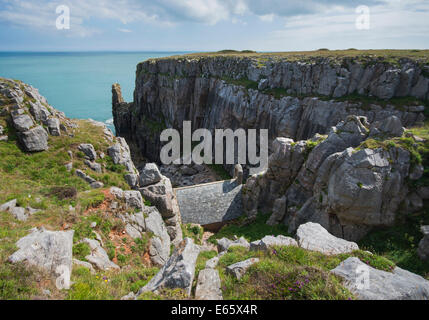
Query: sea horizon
{"type": "Point", "coordinates": [78, 83]}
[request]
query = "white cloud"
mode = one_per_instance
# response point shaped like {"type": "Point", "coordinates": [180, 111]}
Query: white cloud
{"type": "Point", "coordinates": [310, 21]}
{"type": "Point", "coordinates": [267, 17]}
{"type": "Point", "coordinates": [124, 30]}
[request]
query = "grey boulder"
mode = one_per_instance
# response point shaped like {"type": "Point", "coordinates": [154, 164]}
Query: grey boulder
{"type": "Point", "coordinates": [268, 242]}
{"type": "Point", "coordinates": [150, 175]}
{"type": "Point", "coordinates": [225, 243]}
{"type": "Point", "coordinates": [239, 269]}
{"type": "Point", "coordinates": [179, 270]}
{"type": "Point", "coordinates": [208, 285]}
{"type": "Point", "coordinates": [98, 256]}
{"type": "Point", "coordinates": [34, 140]}
{"type": "Point", "coordinates": [88, 150]}
{"type": "Point", "coordinates": [49, 250]}
{"type": "Point", "coordinates": [312, 236]}
{"type": "Point", "coordinates": [368, 283]}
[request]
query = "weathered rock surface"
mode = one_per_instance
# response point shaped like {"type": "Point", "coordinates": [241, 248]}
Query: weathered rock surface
{"type": "Point", "coordinates": [159, 249]}
{"type": "Point", "coordinates": [269, 241]}
{"type": "Point", "coordinates": [208, 285]}
{"type": "Point", "coordinates": [49, 250]}
{"type": "Point", "coordinates": [239, 269]}
{"type": "Point", "coordinates": [88, 150]}
{"type": "Point", "coordinates": [98, 256]}
{"type": "Point", "coordinates": [397, 285]}
{"type": "Point", "coordinates": [120, 154]}
{"type": "Point", "coordinates": [179, 270]}
{"type": "Point", "coordinates": [313, 236]}
{"type": "Point", "coordinates": [150, 175]}
{"type": "Point", "coordinates": [85, 265]}
{"type": "Point", "coordinates": [225, 243]}
{"type": "Point", "coordinates": [169, 91]}
{"type": "Point", "coordinates": [34, 140]}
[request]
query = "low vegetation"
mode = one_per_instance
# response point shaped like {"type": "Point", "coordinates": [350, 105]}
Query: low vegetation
{"type": "Point", "coordinates": [251, 232]}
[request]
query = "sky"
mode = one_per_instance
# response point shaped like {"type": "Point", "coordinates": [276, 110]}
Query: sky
{"type": "Point", "coordinates": [211, 25]}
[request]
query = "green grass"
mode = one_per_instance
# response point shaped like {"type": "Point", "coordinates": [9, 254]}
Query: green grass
{"type": "Point", "coordinates": [108, 285]}
{"type": "Point", "coordinates": [253, 231]}
{"type": "Point", "coordinates": [220, 171]}
{"type": "Point", "coordinates": [91, 199]}
{"type": "Point", "coordinates": [399, 243]}
{"type": "Point", "coordinates": [194, 232]}
{"type": "Point", "coordinates": [285, 273]}
{"type": "Point", "coordinates": [389, 56]}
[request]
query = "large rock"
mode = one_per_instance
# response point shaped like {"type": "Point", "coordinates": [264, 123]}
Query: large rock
{"type": "Point", "coordinates": [8, 205]}
{"type": "Point", "coordinates": [34, 140]}
{"type": "Point", "coordinates": [312, 236]}
{"type": "Point", "coordinates": [161, 196]}
{"type": "Point", "coordinates": [120, 154]}
{"type": "Point", "coordinates": [391, 126]}
{"type": "Point", "coordinates": [179, 270]}
{"type": "Point", "coordinates": [22, 122]}
{"type": "Point", "coordinates": [239, 269]}
{"type": "Point", "coordinates": [133, 199]}
{"type": "Point", "coordinates": [150, 175]}
{"type": "Point", "coordinates": [49, 250]}
{"type": "Point", "coordinates": [88, 150]}
{"type": "Point", "coordinates": [225, 243]}
{"type": "Point", "coordinates": [279, 211]}
{"type": "Point", "coordinates": [268, 242]}
{"type": "Point", "coordinates": [208, 285]}
{"type": "Point", "coordinates": [368, 283]}
{"type": "Point", "coordinates": [159, 249]}
{"type": "Point", "coordinates": [54, 127]}
{"type": "Point", "coordinates": [98, 256]}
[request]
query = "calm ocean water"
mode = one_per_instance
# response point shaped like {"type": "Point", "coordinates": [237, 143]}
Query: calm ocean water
{"type": "Point", "coordinates": [78, 84]}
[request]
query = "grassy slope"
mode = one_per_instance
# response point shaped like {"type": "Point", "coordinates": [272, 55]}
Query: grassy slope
{"type": "Point", "coordinates": [41, 181]}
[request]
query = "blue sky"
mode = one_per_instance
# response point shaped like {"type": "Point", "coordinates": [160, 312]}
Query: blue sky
{"type": "Point", "coordinates": [208, 25]}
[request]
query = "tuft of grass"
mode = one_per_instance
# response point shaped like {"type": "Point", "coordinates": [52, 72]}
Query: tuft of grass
{"type": "Point", "coordinates": [81, 250]}
{"type": "Point", "coordinates": [109, 285]}
{"type": "Point", "coordinates": [91, 199]}
{"type": "Point", "coordinates": [193, 231]}
{"type": "Point", "coordinates": [254, 231]}
{"type": "Point", "coordinates": [284, 273]}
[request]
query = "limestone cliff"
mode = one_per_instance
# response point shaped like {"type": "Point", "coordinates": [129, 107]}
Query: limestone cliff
{"type": "Point", "coordinates": [293, 98]}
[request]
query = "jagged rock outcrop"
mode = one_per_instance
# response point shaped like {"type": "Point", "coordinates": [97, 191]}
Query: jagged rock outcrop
{"type": "Point", "coordinates": [48, 250]}
{"type": "Point", "coordinates": [148, 220]}
{"type": "Point", "coordinates": [179, 270]}
{"type": "Point", "coordinates": [98, 256]}
{"type": "Point", "coordinates": [208, 285]}
{"type": "Point", "coordinates": [208, 92]}
{"type": "Point", "coordinates": [29, 113]}
{"type": "Point", "coordinates": [368, 283]}
{"type": "Point", "coordinates": [333, 181]}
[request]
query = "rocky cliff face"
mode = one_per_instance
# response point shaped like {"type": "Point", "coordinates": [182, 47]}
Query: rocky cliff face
{"type": "Point", "coordinates": [319, 113]}
{"type": "Point", "coordinates": [293, 99]}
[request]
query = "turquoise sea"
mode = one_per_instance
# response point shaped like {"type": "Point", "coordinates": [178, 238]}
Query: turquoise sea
{"type": "Point", "coordinates": [77, 83]}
